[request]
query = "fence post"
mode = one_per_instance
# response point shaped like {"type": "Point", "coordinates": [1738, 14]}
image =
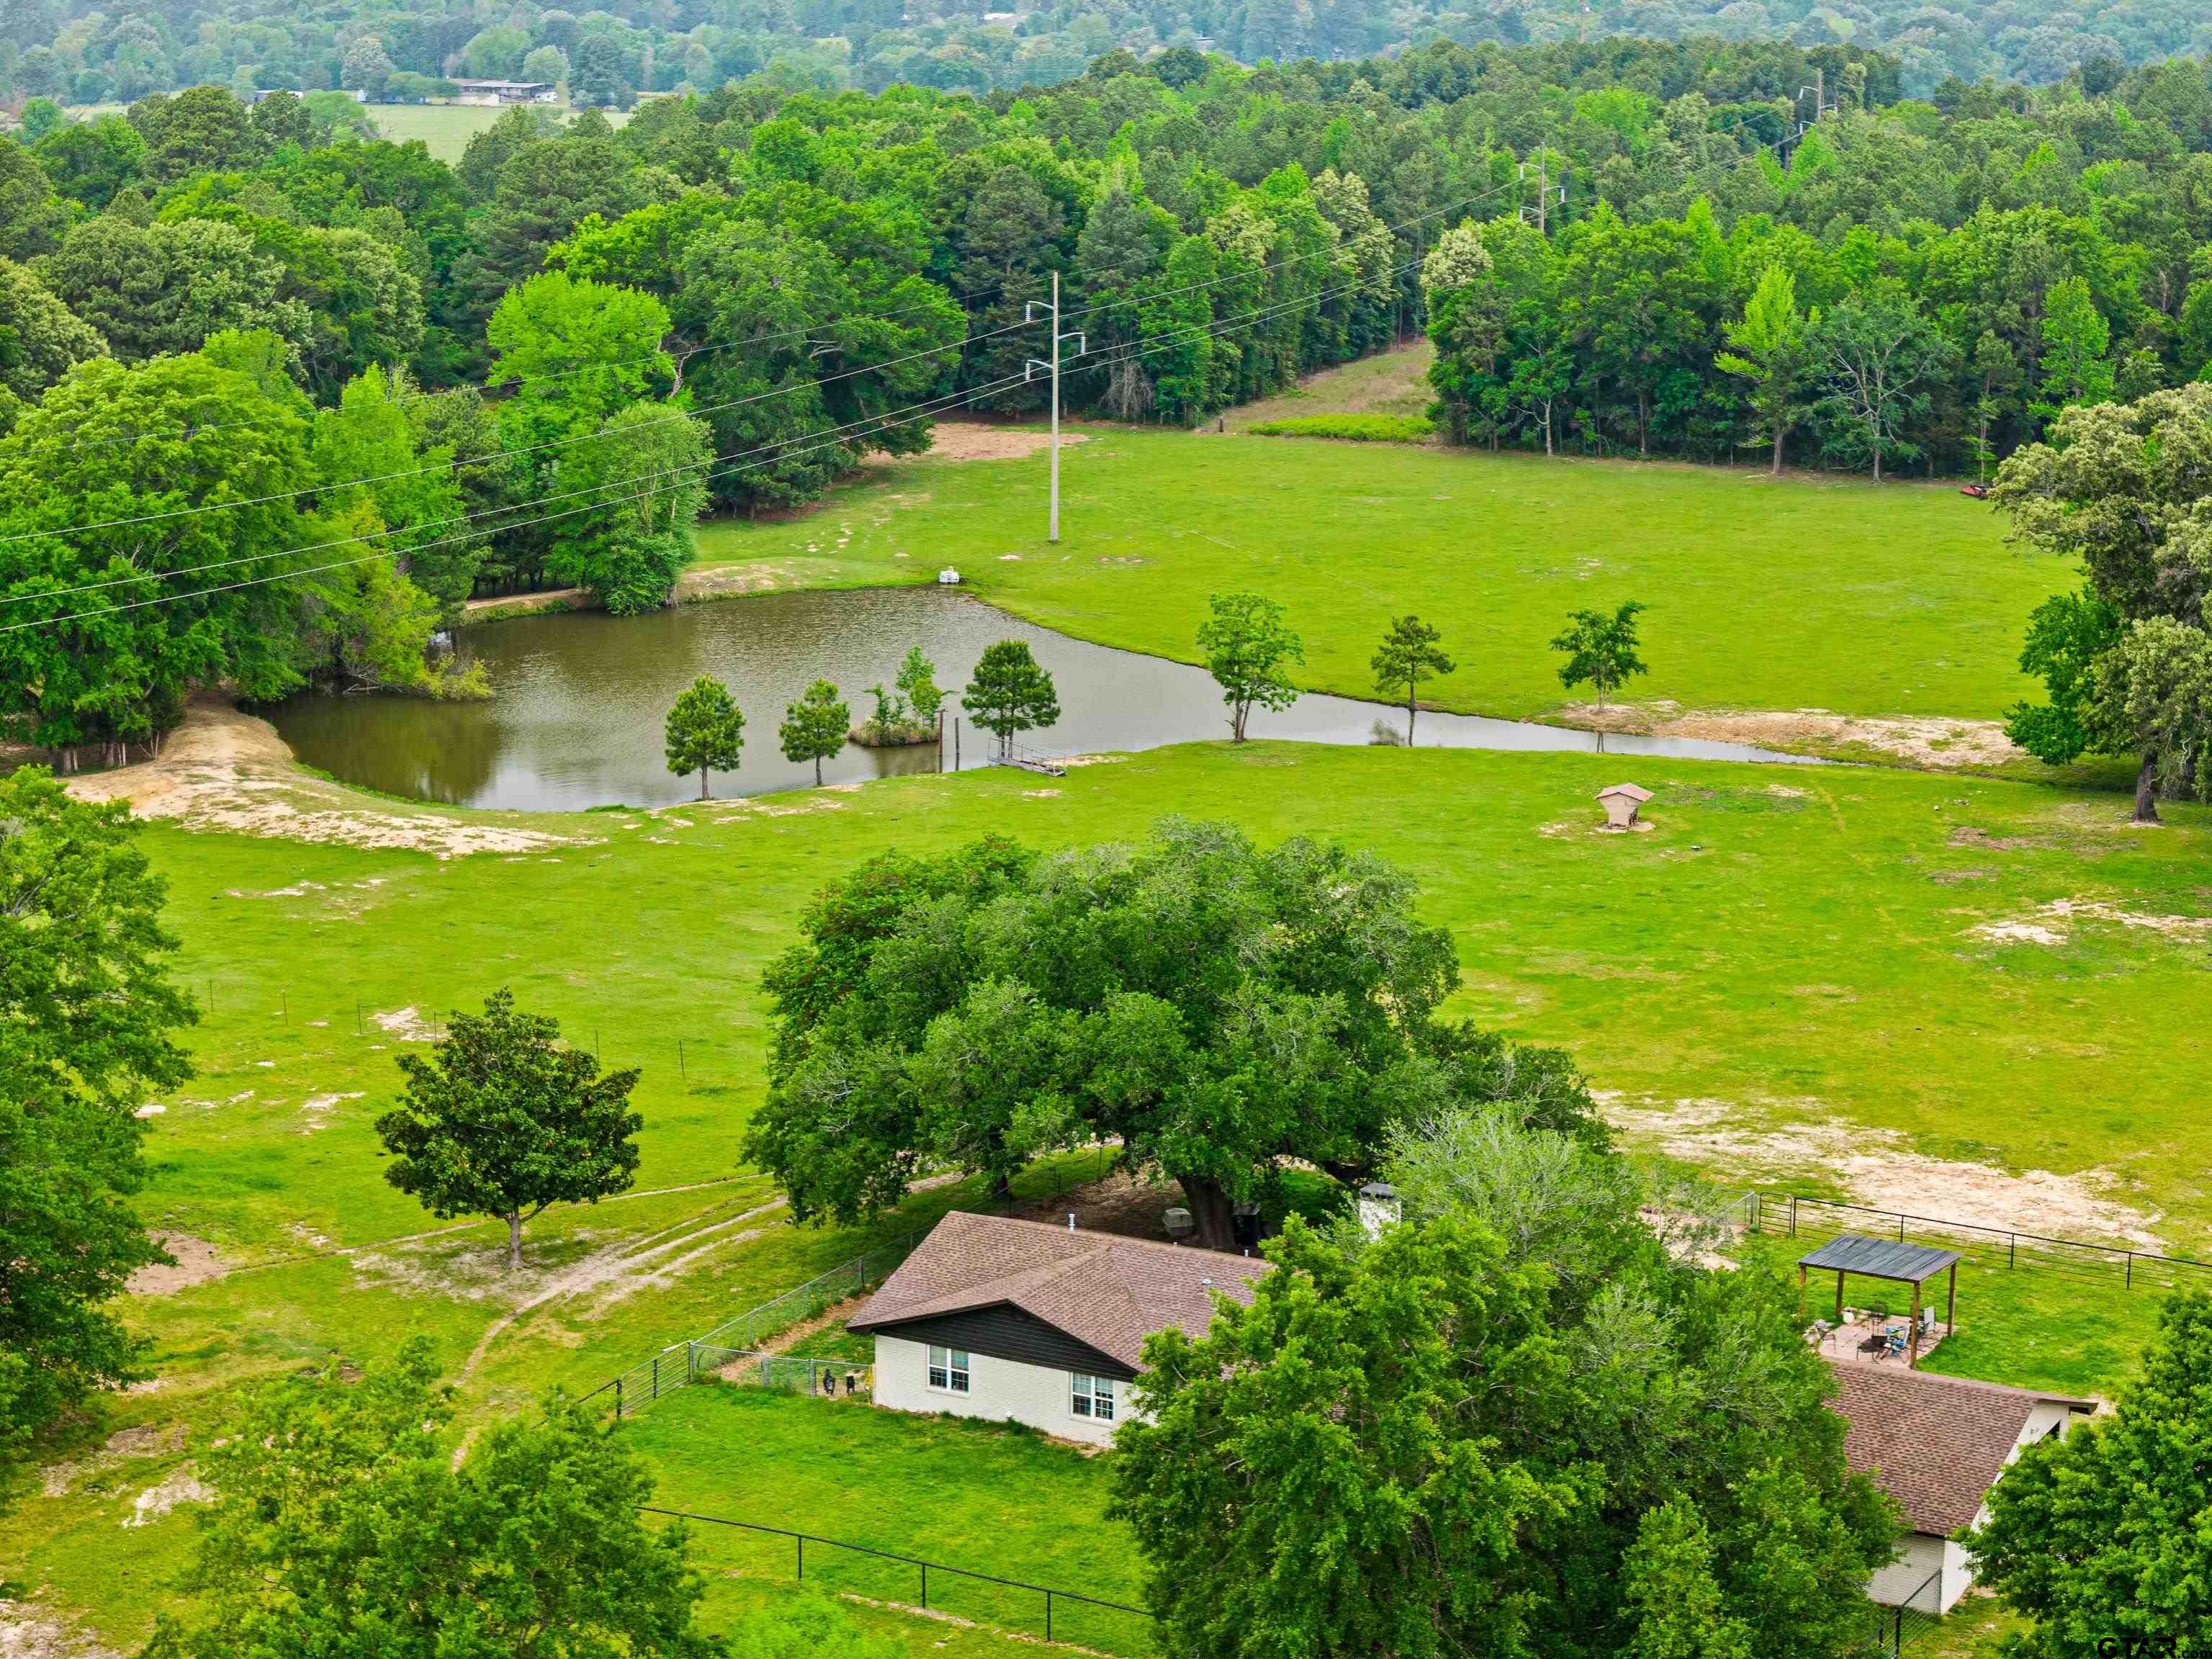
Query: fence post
{"type": "Point", "coordinates": [1048, 1615]}
{"type": "Point", "coordinates": [691, 1362]}
{"type": "Point", "coordinates": [925, 1587]}
{"type": "Point", "coordinates": [1901, 1227]}
{"type": "Point", "coordinates": [1793, 1215]}
{"type": "Point", "coordinates": [2012, 1252]}
{"type": "Point", "coordinates": [2131, 1270]}
{"type": "Point", "coordinates": [618, 1399]}
{"type": "Point", "coordinates": [801, 1538]}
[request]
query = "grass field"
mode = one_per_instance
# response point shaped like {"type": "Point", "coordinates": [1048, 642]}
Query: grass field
{"type": "Point", "coordinates": [446, 128]}
{"type": "Point", "coordinates": [1784, 978]}
{"type": "Point", "coordinates": [991, 1498]}
{"type": "Point", "coordinates": [1799, 593]}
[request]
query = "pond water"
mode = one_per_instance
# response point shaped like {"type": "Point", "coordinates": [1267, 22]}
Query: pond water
{"type": "Point", "coordinates": [575, 719]}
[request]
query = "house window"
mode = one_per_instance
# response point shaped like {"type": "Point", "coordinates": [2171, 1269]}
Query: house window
{"type": "Point", "coordinates": [1094, 1397]}
{"type": "Point", "coordinates": [948, 1370]}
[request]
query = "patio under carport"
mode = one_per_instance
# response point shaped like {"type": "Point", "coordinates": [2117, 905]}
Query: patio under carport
{"type": "Point", "coordinates": [1890, 1259]}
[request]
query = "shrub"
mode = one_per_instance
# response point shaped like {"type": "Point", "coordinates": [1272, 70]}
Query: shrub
{"type": "Point", "coordinates": [1355, 429]}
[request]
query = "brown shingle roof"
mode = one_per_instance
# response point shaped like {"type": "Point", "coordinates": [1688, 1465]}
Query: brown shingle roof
{"type": "Point", "coordinates": [1100, 1288]}
{"type": "Point", "coordinates": [1935, 1443]}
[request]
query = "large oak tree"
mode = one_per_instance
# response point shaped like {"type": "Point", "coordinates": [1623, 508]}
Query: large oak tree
{"type": "Point", "coordinates": [1212, 1007]}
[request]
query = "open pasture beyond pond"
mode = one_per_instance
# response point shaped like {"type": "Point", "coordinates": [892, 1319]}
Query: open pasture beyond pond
{"type": "Point", "coordinates": [1960, 996]}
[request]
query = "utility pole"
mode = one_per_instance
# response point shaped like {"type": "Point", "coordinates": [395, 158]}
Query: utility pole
{"type": "Point", "coordinates": [1546, 191]}
{"type": "Point", "coordinates": [1028, 373]}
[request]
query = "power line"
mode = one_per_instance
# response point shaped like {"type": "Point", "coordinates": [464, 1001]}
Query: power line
{"type": "Point", "coordinates": [556, 443]}
{"type": "Point", "coordinates": [815, 443]}
{"type": "Point", "coordinates": [259, 500]}
{"type": "Point", "coordinates": [917, 412]}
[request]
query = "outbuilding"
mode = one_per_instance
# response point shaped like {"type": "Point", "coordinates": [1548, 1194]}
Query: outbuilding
{"type": "Point", "coordinates": [1005, 1319]}
{"type": "Point", "coordinates": [1937, 1444]}
{"type": "Point", "coordinates": [1622, 802]}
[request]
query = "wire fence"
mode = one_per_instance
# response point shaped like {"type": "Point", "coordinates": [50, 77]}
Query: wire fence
{"type": "Point", "coordinates": [682, 1364]}
{"type": "Point", "coordinates": [1898, 1625]}
{"type": "Point", "coordinates": [1058, 1615]}
{"type": "Point", "coordinates": [1786, 1214]}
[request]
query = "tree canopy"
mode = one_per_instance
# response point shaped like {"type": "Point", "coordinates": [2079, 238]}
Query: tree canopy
{"type": "Point", "coordinates": [342, 1528]}
{"type": "Point", "coordinates": [1519, 1421]}
{"type": "Point", "coordinates": [1211, 1008]}
{"type": "Point", "coordinates": [499, 1119]}
{"type": "Point", "coordinates": [88, 1017]}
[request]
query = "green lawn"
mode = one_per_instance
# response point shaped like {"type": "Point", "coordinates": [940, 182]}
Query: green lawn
{"type": "Point", "coordinates": [994, 1499]}
{"type": "Point", "coordinates": [1791, 956]}
{"type": "Point", "coordinates": [448, 128]}
{"type": "Point", "coordinates": [1797, 593]}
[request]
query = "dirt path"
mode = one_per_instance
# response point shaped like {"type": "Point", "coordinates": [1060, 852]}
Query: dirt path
{"type": "Point", "coordinates": [622, 1262]}
{"type": "Point", "coordinates": [223, 770]}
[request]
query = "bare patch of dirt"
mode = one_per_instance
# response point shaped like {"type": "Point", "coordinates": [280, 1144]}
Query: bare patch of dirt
{"type": "Point", "coordinates": [316, 1110]}
{"type": "Point", "coordinates": [1967, 836]}
{"type": "Point", "coordinates": [184, 1486]}
{"type": "Point", "coordinates": [1926, 742]}
{"type": "Point", "coordinates": [980, 440]}
{"type": "Point", "coordinates": [1119, 1204]}
{"type": "Point", "coordinates": [1878, 1167]}
{"type": "Point", "coordinates": [197, 1263]}
{"type": "Point", "coordinates": [521, 605]}
{"type": "Point", "coordinates": [147, 1440]}
{"type": "Point", "coordinates": [223, 770]}
{"type": "Point", "coordinates": [718, 582]}
{"type": "Point", "coordinates": [407, 1025]}
{"type": "Point", "coordinates": [785, 1341]}
{"type": "Point", "coordinates": [27, 1633]}
{"type": "Point", "coordinates": [2053, 919]}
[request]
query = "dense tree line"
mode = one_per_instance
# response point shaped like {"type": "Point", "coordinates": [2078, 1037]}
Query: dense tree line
{"type": "Point", "coordinates": [76, 51]}
{"type": "Point", "coordinates": [551, 357]}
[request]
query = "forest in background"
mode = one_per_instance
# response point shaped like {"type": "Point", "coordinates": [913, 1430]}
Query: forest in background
{"type": "Point", "coordinates": [541, 364]}
{"type": "Point", "coordinates": [84, 51]}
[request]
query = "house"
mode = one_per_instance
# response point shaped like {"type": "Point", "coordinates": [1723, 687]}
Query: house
{"type": "Point", "coordinates": [999, 1318]}
{"type": "Point", "coordinates": [502, 92]}
{"type": "Point", "coordinates": [1937, 1444]}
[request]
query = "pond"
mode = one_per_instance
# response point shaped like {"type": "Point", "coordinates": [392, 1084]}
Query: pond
{"type": "Point", "coordinates": [575, 719]}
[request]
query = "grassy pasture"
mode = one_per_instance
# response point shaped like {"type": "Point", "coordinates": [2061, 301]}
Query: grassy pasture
{"type": "Point", "coordinates": [446, 128]}
{"type": "Point", "coordinates": [1799, 594]}
{"type": "Point", "coordinates": [1799, 947]}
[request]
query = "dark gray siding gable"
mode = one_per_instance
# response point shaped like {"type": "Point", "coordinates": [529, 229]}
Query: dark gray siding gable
{"type": "Point", "coordinates": [1003, 1331]}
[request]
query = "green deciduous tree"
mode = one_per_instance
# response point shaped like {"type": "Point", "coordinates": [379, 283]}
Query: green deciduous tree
{"type": "Point", "coordinates": [2076, 338]}
{"type": "Point", "coordinates": [86, 1018]}
{"type": "Point", "coordinates": [344, 1529]}
{"type": "Point", "coordinates": [136, 445]}
{"type": "Point", "coordinates": [917, 683]}
{"type": "Point", "coordinates": [1770, 346]}
{"type": "Point", "coordinates": [706, 731]}
{"type": "Point", "coordinates": [2066, 635]}
{"type": "Point", "coordinates": [501, 1120]}
{"type": "Point", "coordinates": [1209, 1007]}
{"type": "Point", "coordinates": [1009, 693]}
{"type": "Point", "coordinates": [1600, 650]}
{"type": "Point", "coordinates": [1411, 652]}
{"type": "Point", "coordinates": [1877, 353]}
{"type": "Point", "coordinates": [1434, 1442]}
{"type": "Point", "coordinates": [40, 337]}
{"type": "Point", "coordinates": [631, 499]}
{"type": "Point", "coordinates": [1248, 648]}
{"type": "Point", "coordinates": [815, 727]}
{"type": "Point", "coordinates": [2098, 1536]}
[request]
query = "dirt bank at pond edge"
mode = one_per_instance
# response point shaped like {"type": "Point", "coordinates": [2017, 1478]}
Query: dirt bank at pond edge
{"type": "Point", "coordinates": [1931, 743]}
{"type": "Point", "coordinates": [224, 769]}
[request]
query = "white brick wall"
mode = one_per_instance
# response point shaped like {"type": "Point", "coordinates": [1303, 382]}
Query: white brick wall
{"type": "Point", "coordinates": [997, 1389]}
